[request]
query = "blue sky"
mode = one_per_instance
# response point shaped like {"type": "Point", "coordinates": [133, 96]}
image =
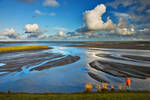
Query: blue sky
{"type": "Point", "coordinates": [74, 20]}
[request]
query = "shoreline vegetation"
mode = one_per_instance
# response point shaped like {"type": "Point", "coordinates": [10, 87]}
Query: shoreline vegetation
{"type": "Point", "coordinates": [131, 95]}
{"type": "Point", "coordinates": [102, 93]}
{"type": "Point", "coordinates": [22, 48]}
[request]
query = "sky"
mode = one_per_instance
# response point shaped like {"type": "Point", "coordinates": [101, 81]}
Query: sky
{"type": "Point", "coordinates": [75, 20]}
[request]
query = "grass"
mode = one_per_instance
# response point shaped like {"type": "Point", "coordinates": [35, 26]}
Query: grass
{"type": "Point", "coordinates": [78, 96]}
{"type": "Point", "coordinates": [22, 48]}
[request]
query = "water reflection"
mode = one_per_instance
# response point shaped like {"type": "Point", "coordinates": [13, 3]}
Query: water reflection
{"type": "Point", "coordinates": [116, 66]}
{"type": "Point", "coordinates": [36, 71]}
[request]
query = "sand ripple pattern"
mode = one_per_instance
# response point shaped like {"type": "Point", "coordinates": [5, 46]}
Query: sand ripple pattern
{"type": "Point", "coordinates": [26, 61]}
{"type": "Point", "coordinates": [121, 63]}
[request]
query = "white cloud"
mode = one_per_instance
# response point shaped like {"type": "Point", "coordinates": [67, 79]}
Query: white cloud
{"type": "Point", "coordinates": [9, 31]}
{"type": "Point", "coordinates": [34, 32]}
{"type": "Point", "coordinates": [52, 14]}
{"type": "Point", "coordinates": [38, 12]}
{"type": "Point", "coordinates": [125, 31]}
{"type": "Point", "coordinates": [145, 30]}
{"type": "Point", "coordinates": [9, 34]}
{"type": "Point", "coordinates": [94, 22]}
{"type": "Point", "coordinates": [124, 28]}
{"type": "Point", "coordinates": [51, 3]}
{"type": "Point", "coordinates": [62, 34]}
{"type": "Point", "coordinates": [93, 19]}
{"type": "Point", "coordinates": [31, 28]}
{"type": "Point", "coordinates": [122, 15]}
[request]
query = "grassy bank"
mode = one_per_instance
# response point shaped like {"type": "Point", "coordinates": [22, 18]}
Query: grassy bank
{"type": "Point", "coordinates": [22, 48]}
{"type": "Point", "coordinates": [80, 96]}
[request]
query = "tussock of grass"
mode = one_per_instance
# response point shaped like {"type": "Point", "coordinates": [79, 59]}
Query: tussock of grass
{"type": "Point", "coordinates": [22, 48]}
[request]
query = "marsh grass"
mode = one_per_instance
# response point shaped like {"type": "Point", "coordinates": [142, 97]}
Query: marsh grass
{"type": "Point", "coordinates": [78, 96]}
{"type": "Point", "coordinates": [22, 48]}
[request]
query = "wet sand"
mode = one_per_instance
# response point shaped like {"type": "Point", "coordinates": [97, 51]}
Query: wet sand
{"type": "Point", "coordinates": [63, 67]}
{"type": "Point", "coordinates": [98, 78]}
{"type": "Point", "coordinates": [15, 61]}
{"type": "Point", "coordinates": [60, 62]}
{"type": "Point", "coordinates": [122, 70]}
{"type": "Point", "coordinates": [122, 63]}
{"type": "Point", "coordinates": [137, 57]}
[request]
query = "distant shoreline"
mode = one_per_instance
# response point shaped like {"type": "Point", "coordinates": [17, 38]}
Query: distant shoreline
{"type": "Point", "coordinates": [77, 41]}
{"type": "Point", "coordinates": [141, 45]}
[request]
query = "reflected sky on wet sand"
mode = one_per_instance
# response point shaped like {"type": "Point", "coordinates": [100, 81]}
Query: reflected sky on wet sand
{"type": "Point", "coordinates": [71, 76]}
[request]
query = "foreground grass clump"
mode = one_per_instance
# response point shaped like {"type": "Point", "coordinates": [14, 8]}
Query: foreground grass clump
{"type": "Point", "coordinates": [79, 96]}
{"type": "Point", "coordinates": [22, 48]}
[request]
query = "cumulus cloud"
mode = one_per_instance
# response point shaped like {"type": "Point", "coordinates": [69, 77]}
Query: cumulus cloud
{"type": "Point", "coordinates": [9, 31]}
{"type": "Point", "coordinates": [31, 28]}
{"type": "Point", "coordinates": [51, 3]}
{"type": "Point", "coordinates": [123, 28]}
{"type": "Point", "coordinates": [94, 22]}
{"type": "Point", "coordinates": [10, 34]}
{"type": "Point", "coordinates": [93, 19]}
{"type": "Point", "coordinates": [62, 34]}
{"type": "Point", "coordinates": [125, 31]}
{"type": "Point", "coordinates": [34, 31]}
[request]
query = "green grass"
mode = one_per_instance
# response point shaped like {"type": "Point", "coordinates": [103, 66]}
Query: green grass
{"type": "Point", "coordinates": [79, 96]}
{"type": "Point", "coordinates": [22, 48]}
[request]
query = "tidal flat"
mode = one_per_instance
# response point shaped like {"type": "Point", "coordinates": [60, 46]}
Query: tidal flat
{"type": "Point", "coordinates": [68, 66]}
